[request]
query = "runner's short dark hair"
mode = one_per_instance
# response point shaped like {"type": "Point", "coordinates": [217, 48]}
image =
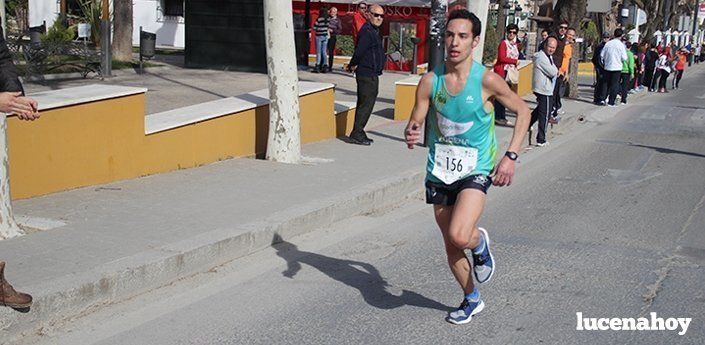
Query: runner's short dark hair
{"type": "Point", "coordinates": [618, 33]}
{"type": "Point", "coordinates": [465, 14]}
{"type": "Point", "coordinates": [512, 26]}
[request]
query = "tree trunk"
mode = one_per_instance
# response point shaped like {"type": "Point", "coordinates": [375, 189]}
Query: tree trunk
{"type": "Point", "coordinates": [655, 20]}
{"type": "Point", "coordinates": [284, 140]}
{"type": "Point", "coordinates": [8, 226]}
{"type": "Point", "coordinates": [572, 11]}
{"type": "Point", "coordinates": [501, 20]}
{"type": "Point", "coordinates": [122, 30]}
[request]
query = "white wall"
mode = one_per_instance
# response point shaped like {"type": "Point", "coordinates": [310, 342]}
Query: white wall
{"type": "Point", "coordinates": [43, 10]}
{"type": "Point", "coordinates": [170, 30]}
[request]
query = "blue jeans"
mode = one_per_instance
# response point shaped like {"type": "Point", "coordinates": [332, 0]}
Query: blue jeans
{"type": "Point", "coordinates": [321, 48]}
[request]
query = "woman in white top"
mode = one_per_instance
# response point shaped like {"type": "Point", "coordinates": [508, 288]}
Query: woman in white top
{"type": "Point", "coordinates": [663, 65]}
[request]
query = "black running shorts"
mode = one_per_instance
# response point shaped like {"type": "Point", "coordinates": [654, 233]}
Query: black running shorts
{"type": "Point", "coordinates": [443, 194]}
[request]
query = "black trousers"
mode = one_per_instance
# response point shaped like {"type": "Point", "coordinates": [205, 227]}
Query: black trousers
{"type": "Point", "coordinates": [558, 92]}
{"type": "Point", "coordinates": [613, 85]}
{"type": "Point", "coordinates": [500, 111]}
{"type": "Point", "coordinates": [663, 79]}
{"type": "Point", "coordinates": [599, 94]}
{"type": "Point", "coordinates": [367, 90]}
{"type": "Point", "coordinates": [648, 77]}
{"type": "Point", "coordinates": [540, 114]}
{"type": "Point", "coordinates": [331, 49]}
{"type": "Point", "coordinates": [626, 83]}
{"type": "Point", "coordinates": [679, 75]}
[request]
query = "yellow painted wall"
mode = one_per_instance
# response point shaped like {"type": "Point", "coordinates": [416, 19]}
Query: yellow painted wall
{"type": "Point", "coordinates": [404, 99]}
{"type": "Point", "coordinates": [526, 73]}
{"type": "Point", "coordinates": [344, 122]}
{"type": "Point", "coordinates": [104, 141]}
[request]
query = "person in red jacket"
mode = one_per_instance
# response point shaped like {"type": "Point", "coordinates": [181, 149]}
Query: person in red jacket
{"type": "Point", "coordinates": [359, 19]}
{"type": "Point", "coordinates": [681, 60]}
{"type": "Point", "coordinates": [507, 57]}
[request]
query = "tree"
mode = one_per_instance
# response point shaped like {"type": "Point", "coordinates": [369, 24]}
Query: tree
{"type": "Point", "coordinates": [572, 11]}
{"type": "Point", "coordinates": [284, 139]}
{"type": "Point", "coordinates": [122, 30]}
{"type": "Point", "coordinates": [501, 20]}
{"type": "Point", "coordinates": [8, 226]}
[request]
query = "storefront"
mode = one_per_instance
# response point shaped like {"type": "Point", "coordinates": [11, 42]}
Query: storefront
{"type": "Point", "coordinates": [403, 20]}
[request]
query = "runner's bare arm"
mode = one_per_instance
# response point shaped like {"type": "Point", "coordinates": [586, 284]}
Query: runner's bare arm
{"type": "Point", "coordinates": [497, 87]}
{"type": "Point", "coordinates": [412, 133]}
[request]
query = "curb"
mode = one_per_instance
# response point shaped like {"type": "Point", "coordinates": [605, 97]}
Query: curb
{"type": "Point", "coordinates": [76, 295]}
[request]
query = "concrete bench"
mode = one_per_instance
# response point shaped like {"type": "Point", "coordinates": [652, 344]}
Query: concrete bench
{"type": "Point", "coordinates": [405, 90]}
{"type": "Point", "coordinates": [97, 134]}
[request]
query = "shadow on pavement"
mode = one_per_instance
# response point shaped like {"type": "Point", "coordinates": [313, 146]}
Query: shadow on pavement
{"type": "Point", "coordinates": [356, 274]}
{"type": "Point", "coordinates": [655, 148]}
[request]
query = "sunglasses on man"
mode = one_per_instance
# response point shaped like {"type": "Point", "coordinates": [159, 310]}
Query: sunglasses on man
{"type": "Point", "coordinates": [378, 15]}
{"type": "Point", "coordinates": [563, 27]}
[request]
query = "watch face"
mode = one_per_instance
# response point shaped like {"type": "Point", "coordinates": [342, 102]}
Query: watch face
{"type": "Point", "coordinates": [513, 156]}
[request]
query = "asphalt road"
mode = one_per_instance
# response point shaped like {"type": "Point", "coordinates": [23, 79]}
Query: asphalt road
{"type": "Point", "coordinates": [608, 220]}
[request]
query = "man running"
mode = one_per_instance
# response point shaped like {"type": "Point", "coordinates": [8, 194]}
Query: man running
{"type": "Point", "coordinates": [462, 152]}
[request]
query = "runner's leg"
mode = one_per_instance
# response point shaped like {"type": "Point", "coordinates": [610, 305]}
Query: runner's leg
{"type": "Point", "coordinates": [459, 228]}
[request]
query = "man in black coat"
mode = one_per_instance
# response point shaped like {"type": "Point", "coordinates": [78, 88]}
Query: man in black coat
{"type": "Point", "coordinates": [367, 62]}
{"type": "Point", "coordinates": [600, 82]}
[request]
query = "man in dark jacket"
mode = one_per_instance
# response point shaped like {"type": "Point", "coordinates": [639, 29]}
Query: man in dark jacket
{"type": "Point", "coordinates": [600, 83]}
{"type": "Point", "coordinates": [367, 63]}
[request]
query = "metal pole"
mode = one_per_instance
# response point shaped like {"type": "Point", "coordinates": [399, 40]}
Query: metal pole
{"type": "Point", "coordinates": [695, 18]}
{"type": "Point", "coordinates": [2, 18]}
{"type": "Point", "coordinates": [307, 20]}
{"type": "Point", "coordinates": [106, 61]}
{"type": "Point", "coordinates": [439, 8]}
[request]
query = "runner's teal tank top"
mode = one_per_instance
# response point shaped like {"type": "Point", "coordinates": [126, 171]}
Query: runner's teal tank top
{"type": "Point", "coordinates": [461, 120]}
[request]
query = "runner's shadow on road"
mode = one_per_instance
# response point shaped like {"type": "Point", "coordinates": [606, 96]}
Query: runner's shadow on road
{"type": "Point", "coordinates": [356, 274]}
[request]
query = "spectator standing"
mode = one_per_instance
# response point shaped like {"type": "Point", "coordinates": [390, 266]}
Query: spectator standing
{"type": "Point", "coordinates": [562, 59]}
{"type": "Point", "coordinates": [698, 49]}
{"type": "Point", "coordinates": [613, 56]}
{"type": "Point", "coordinates": [600, 85]}
{"type": "Point", "coordinates": [627, 73]}
{"type": "Point", "coordinates": [681, 60]}
{"type": "Point", "coordinates": [544, 36]}
{"type": "Point", "coordinates": [359, 19]}
{"type": "Point", "coordinates": [650, 67]}
{"type": "Point", "coordinates": [322, 34]}
{"type": "Point", "coordinates": [507, 57]}
{"type": "Point", "coordinates": [545, 71]}
{"type": "Point", "coordinates": [663, 67]}
{"type": "Point", "coordinates": [367, 62]}
{"type": "Point", "coordinates": [335, 27]}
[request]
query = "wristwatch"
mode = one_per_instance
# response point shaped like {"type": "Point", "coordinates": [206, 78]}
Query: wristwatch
{"type": "Point", "coordinates": [512, 155]}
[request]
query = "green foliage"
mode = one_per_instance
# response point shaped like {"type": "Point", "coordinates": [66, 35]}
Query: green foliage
{"type": "Point", "coordinates": [12, 5]}
{"type": "Point", "coordinates": [345, 45]}
{"type": "Point", "coordinates": [408, 45]}
{"type": "Point", "coordinates": [491, 45]}
{"type": "Point", "coordinates": [91, 12]}
{"type": "Point", "coordinates": [57, 33]}
{"type": "Point", "coordinates": [590, 32]}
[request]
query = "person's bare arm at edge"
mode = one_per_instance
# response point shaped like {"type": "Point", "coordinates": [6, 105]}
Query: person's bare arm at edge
{"type": "Point", "coordinates": [413, 132]}
{"type": "Point", "coordinates": [496, 87]}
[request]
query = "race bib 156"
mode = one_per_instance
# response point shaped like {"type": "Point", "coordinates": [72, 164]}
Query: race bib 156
{"type": "Point", "coordinates": [453, 162]}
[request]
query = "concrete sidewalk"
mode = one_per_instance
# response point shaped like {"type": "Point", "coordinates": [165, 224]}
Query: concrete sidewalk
{"type": "Point", "coordinates": [125, 238]}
